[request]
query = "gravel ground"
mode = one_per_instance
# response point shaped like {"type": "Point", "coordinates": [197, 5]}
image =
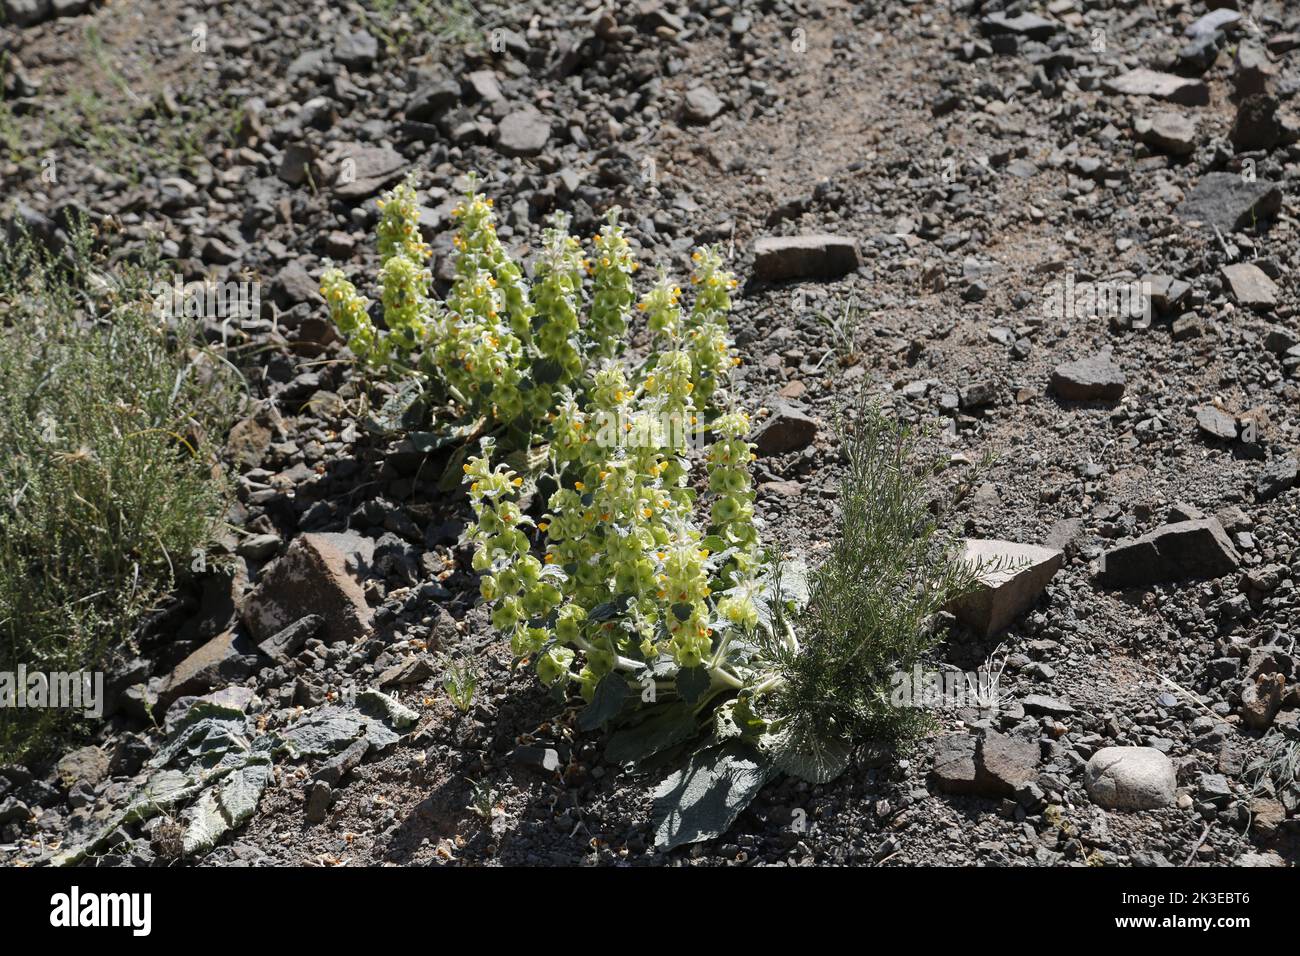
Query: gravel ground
{"type": "Point", "coordinates": [979, 156]}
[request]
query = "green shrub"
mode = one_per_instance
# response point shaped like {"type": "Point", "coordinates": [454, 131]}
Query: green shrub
{"type": "Point", "coordinates": [108, 481]}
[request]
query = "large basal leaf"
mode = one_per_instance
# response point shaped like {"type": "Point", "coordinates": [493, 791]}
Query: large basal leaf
{"type": "Point", "coordinates": [702, 800]}
{"type": "Point", "coordinates": [205, 824]}
{"type": "Point", "coordinates": [240, 792]}
{"type": "Point", "coordinates": [797, 749]}
{"type": "Point", "coordinates": [668, 726]}
{"type": "Point", "coordinates": [606, 702]}
{"type": "Point", "coordinates": [692, 683]}
{"type": "Point", "coordinates": [402, 411]}
{"type": "Point", "coordinates": [450, 434]}
{"type": "Point", "coordinates": [392, 711]}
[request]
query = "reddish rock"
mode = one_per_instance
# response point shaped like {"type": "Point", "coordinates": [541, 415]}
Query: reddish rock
{"type": "Point", "coordinates": [318, 574]}
{"type": "Point", "coordinates": [227, 657]}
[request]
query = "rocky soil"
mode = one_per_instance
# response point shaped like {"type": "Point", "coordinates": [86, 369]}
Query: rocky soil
{"type": "Point", "coordinates": [912, 193]}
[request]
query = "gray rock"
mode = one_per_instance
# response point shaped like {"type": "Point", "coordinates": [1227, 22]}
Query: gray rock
{"type": "Point", "coordinates": [285, 644]}
{"type": "Point", "coordinates": [1198, 54]}
{"type": "Point", "coordinates": [1250, 286]}
{"type": "Point", "coordinates": [292, 285]}
{"type": "Point", "coordinates": [1276, 477]}
{"type": "Point", "coordinates": [433, 99]}
{"type": "Point", "coordinates": [1093, 379]}
{"type": "Point", "coordinates": [343, 763]}
{"type": "Point", "coordinates": [817, 256]}
{"type": "Point", "coordinates": [1259, 125]}
{"type": "Point", "coordinates": [954, 765]}
{"type": "Point", "coordinates": [1252, 70]}
{"type": "Point", "coordinates": [1261, 699]}
{"type": "Point", "coordinates": [1280, 339]}
{"type": "Point", "coordinates": [1217, 423]}
{"type": "Point", "coordinates": [1222, 19]}
{"type": "Point", "coordinates": [1003, 763]}
{"type": "Point", "coordinates": [295, 163]}
{"type": "Point", "coordinates": [1160, 86]}
{"type": "Point", "coordinates": [318, 798]}
{"type": "Point", "coordinates": [523, 133]}
{"type": "Point", "coordinates": [88, 765]}
{"type": "Point", "coordinates": [361, 171]}
{"type": "Point", "coordinates": [226, 658]}
{"type": "Point", "coordinates": [1166, 291]}
{"type": "Point", "coordinates": [13, 810]}
{"type": "Point", "coordinates": [258, 547]}
{"type": "Point", "coordinates": [1028, 25]}
{"type": "Point", "coordinates": [413, 670]}
{"type": "Point", "coordinates": [788, 429]}
{"type": "Point", "coordinates": [1014, 576]}
{"type": "Point", "coordinates": [1130, 778]}
{"type": "Point", "coordinates": [701, 105]}
{"type": "Point", "coordinates": [1230, 202]}
{"type": "Point", "coordinates": [1183, 549]}
{"type": "Point", "coordinates": [1040, 705]}
{"type": "Point", "coordinates": [356, 51]}
{"type": "Point", "coordinates": [545, 759]}
{"type": "Point", "coordinates": [26, 13]}
{"type": "Point", "coordinates": [485, 85]}
{"type": "Point", "coordinates": [1167, 132]}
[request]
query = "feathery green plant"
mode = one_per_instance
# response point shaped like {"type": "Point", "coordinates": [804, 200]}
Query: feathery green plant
{"type": "Point", "coordinates": [107, 486]}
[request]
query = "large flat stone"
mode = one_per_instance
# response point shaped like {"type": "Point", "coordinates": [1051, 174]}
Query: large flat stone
{"type": "Point", "coordinates": [319, 574]}
{"type": "Point", "coordinates": [1015, 574]}
{"type": "Point", "coordinates": [817, 256]}
{"type": "Point", "coordinates": [1168, 132]}
{"type": "Point", "coordinates": [1160, 86]}
{"type": "Point", "coordinates": [1003, 763]}
{"type": "Point", "coordinates": [1250, 286]}
{"type": "Point", "coordinates": [1093, 379]}
{"type": "Point", "coordinates": [361, 171]}
{"type": "Point", "coordinates": [954, 765]}
{"type": "Point", "coordinates": [1231, 202]}
{"type": "Point", "coordinates": [226, 658]}
{"type": "Point", "coordinates": [523, 133]}
{"type": "Point", "coordinates": [1183, 549]}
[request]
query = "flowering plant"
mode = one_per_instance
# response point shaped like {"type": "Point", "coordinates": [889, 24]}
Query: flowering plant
{"type": "Point", "coordinates": [655, 605]}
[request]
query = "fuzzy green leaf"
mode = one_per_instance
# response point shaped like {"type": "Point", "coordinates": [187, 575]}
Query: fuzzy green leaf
{"type": "Point", "coordinates": [797, 749]}
{"type": "Point", "coordinates": [606, 702]}
{"type": "Point", "coordinates": [702, 800]}
{"type": "Point", "coordinates": [692, 682]}
{"type": "Point", "coordinates": [668, 726]}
